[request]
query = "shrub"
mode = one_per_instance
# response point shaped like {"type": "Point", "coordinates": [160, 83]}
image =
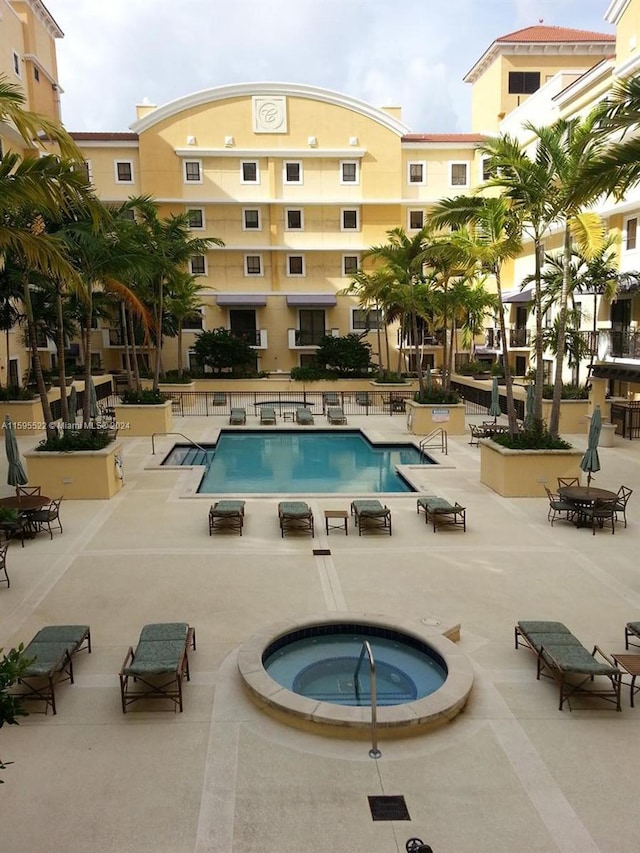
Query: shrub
{"type": "Point", "coordinates": [569, 392]}
{"type": "Point", "coordinates": [312, 373]}
{"type": "Point", "coordinates": [390, 378]}
{"type": "Point", "coordinates": [437, 395]}
{"type": "Point", "coordinates": [93, 439]}
{"type": "Point", "coordinates": [15, 393]}
{"type": "Point", "coordinates": [148, 397]}
{"type": "Point", "coordinates": [536, 437]}
{"type": "Point", "coordinates": [171, 376]}
{"type": "Point", "coordinates": [472, 367]}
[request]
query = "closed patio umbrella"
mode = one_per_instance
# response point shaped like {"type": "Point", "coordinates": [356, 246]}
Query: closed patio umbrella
{"type": "Point", "coordinates": [590, 461]}
{"type": "Point", "coordinates": [90, 402]}
{"type": "Point", "coordinates": [529, 406]}
{"type": "Point", "coordinates": [427, 379]}
{"type": "Point", "coordinates": [16, 475]}
{"type": "Point", "coordinates": [73, 406]}
{"type": "Point", "coordinates": [494, 409]}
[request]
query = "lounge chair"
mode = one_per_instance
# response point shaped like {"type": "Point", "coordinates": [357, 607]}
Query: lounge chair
{"type": "Point", "coordinates": [441, 511]}
{"type": "Point", "coordinates": [631, 629]}
{"type": "Point", "coordinates": [561, 656]}
{"type": "Point", "coordinates": [335, 415]}
{"type": "Point", "coordinates": [362, 398]}
{"type": "Point", "coordinates": [330, 398]}
{"type": "Point", "coordinates": [51, 654]}
{"type": "Point", "coordinates": [238, 416]}
{"type": "Point", "coordinates": [229, 514]}
{"type": "Point", "coordinates": [295, 515]}
{"type": "Point", "coordinates": [219, 398]}
{"type": "Point", "coordinates": [304, 416]}
{"type": "Point", "coordinates": [159, 664]}
{"type": "Point", "coordinates": [371, 514]}
{"type": "Point", "coordinates": [267, 415]}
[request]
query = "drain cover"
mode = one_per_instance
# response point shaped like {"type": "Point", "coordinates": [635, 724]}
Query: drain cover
{"type": "Point", "coordinates": [388, 808]}
{"type": "Point", "coordinates": [321, 552]}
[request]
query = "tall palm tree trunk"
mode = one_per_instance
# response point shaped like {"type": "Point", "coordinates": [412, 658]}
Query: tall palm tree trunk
{"type": "Point", "coordinates": [511, 409]}
{"type": "Point", "coordinates": [418, 352]}
{"type": "Point", "coordinates": [379, 340]}
{"type": "Point", "coordinates": [50, 427]}
{"type": "Point", "coordinates": [127, 346]}
{"type": "Point", "coordinates": [539, 344]}
{"type": "Point", "coordinates": [159, 316]}
{"type": "Point", "coordinates": [554, 420]}
{"type": "Point", "coordinates": [134, 352]}
{"type": "Point", "coordinates": [62, 378]}
{"type": "Point", "coordinates": [180, 368]}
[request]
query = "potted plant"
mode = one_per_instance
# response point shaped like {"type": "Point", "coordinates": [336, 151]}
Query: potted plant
{"type": "Point", "coordinates": [497, 369]}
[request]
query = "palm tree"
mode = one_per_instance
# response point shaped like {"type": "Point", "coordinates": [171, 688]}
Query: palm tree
{"type": "Point", "coordinates": [374, 290]}
{"type": "Point", "coordinates": [182, 301]}
{"type": "Point", "coordinates": [492, 234]}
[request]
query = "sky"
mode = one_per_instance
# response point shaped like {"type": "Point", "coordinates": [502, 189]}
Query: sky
{"type": "Point", "coordinates": [407, 53]}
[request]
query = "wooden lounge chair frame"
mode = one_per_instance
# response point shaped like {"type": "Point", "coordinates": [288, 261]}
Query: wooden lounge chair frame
{"type": "Point", "coordinates": [370, 514]}
{"type": "Point", "coordinates": [440, 511]}
{"type": "Point", "coordinates": [335, 415]}
{"type": "Point", "coordinates": [295, 515]}
{"type": "Point", "coordinates": [139, 682]}
{"type": "Point", "coordinates": [51, 652]}
{"type": "Point", "coordinates": [226, 514]}
{"type": "Point", "coordinates": [562, 657]}
{"type": "Point", "coordinates": [238, 416]}
{"type": "Point", "coordinates": [267, 415]}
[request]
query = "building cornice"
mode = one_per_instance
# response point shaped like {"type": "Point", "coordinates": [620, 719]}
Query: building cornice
{"type": "Point", "coordinates": [596, 48]}
{"type": "Point", "coordinates": [628, 68]}
{"type": "Point", "coordinates": [280, 153]}
{"type": "Point", "coordinates": [293, 90]}
{"type": "Point", "coordinates": [615, 10]}
{"type": "Point", "coordinates": [31, 57]}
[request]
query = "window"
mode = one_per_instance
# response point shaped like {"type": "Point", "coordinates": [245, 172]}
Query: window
{"type": "Point", "coordinates": [364, 319]}
{"type": "Point", "coordinates": [84, 168]}
{"type": "Point", "coordinates": [16, 63]}
{"type": "Point", "coordinates": [293, 173]}
{"type": "Point", "coordinates": [251, 219]}
{"type": "Point", "coordinates": [487, 172]}
{"type": "Point", "coordinates": [350, 264]}
{"type": "Point", "coordinates": [523, 82]}
{"type": "Point", "coordinates": [416, 219]}
{"type": "Point", "coordinates": [253, 265]}
{"type": "Point", "coordinates": [198, 265]}
{"type": "Point", "coordinates": [128, 214]}
{"type": "Point", "coordinates": [124, 172]}
{"type": "Point", "coordinates": [417, 173]}
{"type": "Point", "coordinates": [36, 74]}
{"type": "Point", "coordinates": [193, 171]}
{"type": "Point", "coordinates": [295, 265]}
{"type": "Point", "coordinates": [192, 321]}
{"type": "Point", "coordinates": [196, 218]}
{"type": "Point", "coordinates": [459, 172]}
{"type": "Point", "coordinates": [249, 172]}
{"type": "Point", "coordinates": [631, 239]}
{"type": "Point", "coordinates": [294, 220]}
{"type": "Point", "coordinates": [350, 220]}
{"type": "Point", "coordinates": [349, 172]}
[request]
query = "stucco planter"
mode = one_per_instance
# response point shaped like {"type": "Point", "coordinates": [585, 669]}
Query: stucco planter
{"type": "Point", "coordinates": [139, 419]}
{"type": "Point", "coordinates": [572, 415]}
{"type": "Point", "coordinates": [422, 418]}
{"type": "Point", "coordinates": [77, 474]}
{"type": "Point", "coordinates": [26, 415]}
{"type": "Point", "coordinates": [524, 473]}
{"type": "Point", "coordinates": [168, 387]}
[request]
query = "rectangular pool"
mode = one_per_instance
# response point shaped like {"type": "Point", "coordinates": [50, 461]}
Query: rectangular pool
{"type": "Point", "coordinates": [272, 462]}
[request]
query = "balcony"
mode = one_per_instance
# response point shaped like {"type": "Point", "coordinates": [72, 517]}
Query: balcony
{"type": "Point", "coordinates": [256, 338]}
{"type": "Point", "coordinates": [519, 337]}
{"type": "Point", "coordinates": [425, 339]}
{"type": "Point", "coordinates": [306, 338]}
{"type": "Point", "coordinates": [612, 344]}
{"type": "Point", "coordinates": [493, 341]}
{"type": "Point", "coordinates": [112, 338]}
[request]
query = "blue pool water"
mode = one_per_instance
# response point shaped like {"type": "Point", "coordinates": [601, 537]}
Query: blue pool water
{"type": "Point", "coordinates": [323, 666]}
{"type": "Point", "coordinates": [294, 462]}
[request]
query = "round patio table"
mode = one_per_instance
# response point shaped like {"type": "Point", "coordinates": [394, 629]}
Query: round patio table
{"type": "Point", "coordinates": [25, 502]}
{"type": "Point", "coordinates": [586, 494]}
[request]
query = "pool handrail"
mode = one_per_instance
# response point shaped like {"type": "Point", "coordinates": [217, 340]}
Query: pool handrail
{"type": "Point", "coordinates": [374, 752]}
{"type": "Point", "coordinates": [190, 440]}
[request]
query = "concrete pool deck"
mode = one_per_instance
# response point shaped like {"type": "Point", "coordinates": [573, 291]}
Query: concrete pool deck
{"type": "Point", "coordinates": [510, 773]}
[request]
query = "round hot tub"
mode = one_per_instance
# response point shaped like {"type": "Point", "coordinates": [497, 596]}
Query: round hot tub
{"type": "Point", "coordinates": [318, 671]}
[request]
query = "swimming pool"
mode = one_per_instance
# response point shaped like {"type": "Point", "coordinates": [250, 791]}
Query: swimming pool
{"type": "Point", "coordinates": [290, 462]}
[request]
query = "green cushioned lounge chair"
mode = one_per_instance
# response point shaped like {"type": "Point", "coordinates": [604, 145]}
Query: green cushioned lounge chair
{"type": "Point", "coordinates": [335, 415]}
{"type": "Point", "coordinates": [51, 654]}
{"type": "Point", "coordinates": [632, 629]}
{"type": "Point", "coordinates": [229, 514]}
{"type": "Point", "coordinates": [295, 515]}
{"type": "Point", "coordinates": [238, 416]}
{"type": "Point", "coordinates": [442, 511]}
{"type": "Point", "coordinates": [267, 415]}
{"type": "Point", "coordinates": [304, 416]}
{"type": "Point", "coordinates": [370, 514]}
{"type": "Point", "coordinates": [156, 669]}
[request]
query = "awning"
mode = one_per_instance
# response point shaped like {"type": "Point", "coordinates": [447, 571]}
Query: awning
{"type": "Point", "coordinates": [241, 299]}
{"type": "Point", "coordinates": [517, 295]}
{"type": "Point", "coordinates": [621, 372]}
{"type": "Point", "coordinates": [311, 300]}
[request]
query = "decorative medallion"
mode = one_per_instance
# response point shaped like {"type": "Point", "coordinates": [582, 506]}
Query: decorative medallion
{"type": "Point", "coordinates": [269, 114]}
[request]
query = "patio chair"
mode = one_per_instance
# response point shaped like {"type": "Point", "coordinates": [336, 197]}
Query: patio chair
{"type": "Point", "coordinates": [11, 528]}
{"type": "Point", "coordinates": [267, 415]}
{"type": "Point", "coordinates": [558, 507]}
{"type": "Point", "coordinates": [28, 490]}
{"type": "Point", "coordinates": [219, 398]}
{"type": "Point", "coordinates": [45, 518]}
{"type": "Point", "coordinates": [362, 398]}
{"type": "Point", "coordinates": [156, 669]}
{"type": "Point", "coordinates": [561, 656]}
{"type": "Point", "coordinates": [599, 514]}
{"type": "Point", "coordinates": [624, 493]}
{"type": "Point", "coordinates": [3, 565]}
{"type": "Point", "coordinates": [228, 514]}
{"type": "Point", "coordinates": [238, 416]}
{"type": "Point", "coordinates": [335, 415]}
{"type": "Point", "coordinates": [295, 515]}
{"type": "Point", "coordinates": [567, 482]}
{"type": "Point", "coordinates": [51, 655]}
{"type": "Point", "coordinates": [631, 629]}
{"type": "Point", "coordinates": [330, 398]}
{"type": "Point", "coordinates": [441, 511]}
{"type": "Point", "coordinates": [304, 416]}
{"type": "Point", "coordinates": [477, 432]}
{"type": "Point", "coordinates": [370, 514]}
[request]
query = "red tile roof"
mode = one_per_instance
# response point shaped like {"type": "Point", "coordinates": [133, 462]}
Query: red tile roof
{"type": "Point", "coordinates": [544, 33]}
{"type": "Point", "coordinates": [443, 137]}
{"type": "Point", "coordinates": [104, 137]}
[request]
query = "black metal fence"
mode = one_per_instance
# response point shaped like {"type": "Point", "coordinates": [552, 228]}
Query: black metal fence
{"type": "Point", "coordinates": [478, 400]}
{"type": "Point", "coordinates": [103, 393]}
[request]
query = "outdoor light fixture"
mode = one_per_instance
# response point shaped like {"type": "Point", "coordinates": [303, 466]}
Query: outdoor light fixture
{"type": "Point", "coordinates": [313, 141]}
{"type": "Point", "coordinates": [229, 142]}
{"type": "Point", "coordinates": [417, 845]}
{"type": "Point", "coordinates": [191, 140]}
{"type": "Point", "coordinates": [353, 140]}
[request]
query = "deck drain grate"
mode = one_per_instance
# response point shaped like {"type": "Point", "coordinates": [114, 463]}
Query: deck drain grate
{"type": "Point", "coordinates": [321, 552]}
{"type": "Point", "coordinates": [388, 808]}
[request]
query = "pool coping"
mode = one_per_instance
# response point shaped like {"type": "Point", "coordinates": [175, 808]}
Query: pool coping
{"type": "Point", "coordinates": [392, 720]}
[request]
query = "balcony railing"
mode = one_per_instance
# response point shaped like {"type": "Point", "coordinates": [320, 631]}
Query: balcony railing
{"type": "Point", "coordinates": [612, 344]}
{"type": "Point", "coordinates": [309, 338]}
{"type": "Point", "coordinates": [425, 339]}
{"type": "Point", "coordinates": [519, 337]}
{"type": "Point", "coordinates": [493, 339]}
{"type": "Point", "coordinates": [116, 338]}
